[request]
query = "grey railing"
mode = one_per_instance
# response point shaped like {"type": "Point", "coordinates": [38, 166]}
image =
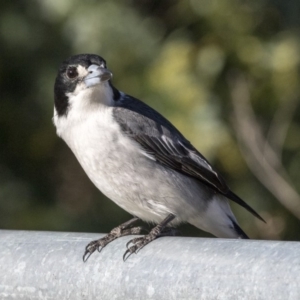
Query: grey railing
{"type": "Point", "coordinates": [48, 265]}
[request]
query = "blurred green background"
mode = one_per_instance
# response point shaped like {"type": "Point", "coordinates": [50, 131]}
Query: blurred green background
{"type": "Point", "coordinates": [225, 72]}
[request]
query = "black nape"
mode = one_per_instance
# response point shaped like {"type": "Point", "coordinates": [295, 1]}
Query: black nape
{"type": "Point", "coordinates": [116, 93]}
{"type": "Point", "coordinates": [61, 101]}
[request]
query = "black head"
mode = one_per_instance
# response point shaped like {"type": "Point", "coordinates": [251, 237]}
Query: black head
{"type": "Point", "coordinates": [88, 69]}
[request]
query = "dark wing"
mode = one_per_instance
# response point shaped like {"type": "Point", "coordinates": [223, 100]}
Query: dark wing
{"type": "Point", "coordinates": [168, 146]}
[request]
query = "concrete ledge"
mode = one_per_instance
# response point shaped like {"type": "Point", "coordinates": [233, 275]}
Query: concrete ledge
{"type": "Point", "coordinates": [48, 265]}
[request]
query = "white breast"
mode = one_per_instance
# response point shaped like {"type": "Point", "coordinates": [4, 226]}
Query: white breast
{"type": "Point", "coordinates": [97, 143]}
{"type": "Point", "coordinates": [113, 162]}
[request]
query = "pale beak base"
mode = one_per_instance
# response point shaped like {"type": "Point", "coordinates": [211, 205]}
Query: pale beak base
{"type": "Point", "coordinates": [97, 74]}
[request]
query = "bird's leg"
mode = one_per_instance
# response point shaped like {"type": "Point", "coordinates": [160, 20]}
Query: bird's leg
{"type": "Point", "coordinates": [121, 230]}
{"type": "Point", "coordinates": [169, 231]}
{"type": "Point", "coordinates": [157, 231]}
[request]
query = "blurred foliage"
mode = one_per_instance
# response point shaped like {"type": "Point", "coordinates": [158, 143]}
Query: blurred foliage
{"type": "Point", "coordinates": [174, 55]}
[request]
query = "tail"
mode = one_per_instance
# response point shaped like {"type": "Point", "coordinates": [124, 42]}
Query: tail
{"type": "Point", "coordinates": [239, 231]}
{"type": "Point", "coordinates": [232, 196]}
{"type": "Point", "coordinates": [219, 220]}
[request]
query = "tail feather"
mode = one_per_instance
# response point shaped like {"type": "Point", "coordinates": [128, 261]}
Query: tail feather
{"type": "Point", "coordinates": [239, 231]}
{"type": "Point", "coordinates": [230, 195]}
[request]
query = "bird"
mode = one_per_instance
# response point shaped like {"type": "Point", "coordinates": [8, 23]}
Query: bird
{"type": "Point", "coordinates": [138, 159]}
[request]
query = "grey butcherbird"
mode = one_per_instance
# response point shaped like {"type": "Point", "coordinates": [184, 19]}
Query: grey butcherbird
{"type": "Point", "coordinates": [137, 158]}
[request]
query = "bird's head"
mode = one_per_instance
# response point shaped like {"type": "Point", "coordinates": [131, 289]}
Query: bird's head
{"type": "Point", "coordinates": [82, 80]}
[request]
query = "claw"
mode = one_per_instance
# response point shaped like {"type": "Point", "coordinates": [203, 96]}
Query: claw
{"type": "Point", "coordinates": [86, 255]}
{"type": "Point", "coordinates": [128, 243]}
{"type": "Point", "coordinates": [87, 247]}
{"type": "Point", "coordinates": [126, 252]}
{"type": "Point", "coordinates": [140, 242]}
{"type": "Point", "coordinates": [122, 230]}
{"type": "Point", "coordinates": [137, 249]}
{"type": "Point", "coordinates": [89, 250]}
{"type": "Point", "coordinates": [99, 248]}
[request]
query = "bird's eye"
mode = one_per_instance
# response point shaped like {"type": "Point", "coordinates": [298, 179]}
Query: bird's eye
{"type": "Point", "coordinates": [72, 72]}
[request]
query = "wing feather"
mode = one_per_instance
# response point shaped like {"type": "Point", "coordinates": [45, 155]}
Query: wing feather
{"type": "Point", "coordinates": [159, 138]}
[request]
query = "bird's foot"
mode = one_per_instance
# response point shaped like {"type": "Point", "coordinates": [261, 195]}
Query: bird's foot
{"type": "Point", "coordinates": [121, 230]}
{"type": "Point", "coordinates": [141, 242]}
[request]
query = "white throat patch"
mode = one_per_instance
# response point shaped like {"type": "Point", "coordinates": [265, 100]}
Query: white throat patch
{"type": "Point", "coordinates": [83, 102]}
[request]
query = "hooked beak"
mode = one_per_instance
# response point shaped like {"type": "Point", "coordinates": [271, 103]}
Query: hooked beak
{"type": "Point", "coordinates": [97, 75]}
